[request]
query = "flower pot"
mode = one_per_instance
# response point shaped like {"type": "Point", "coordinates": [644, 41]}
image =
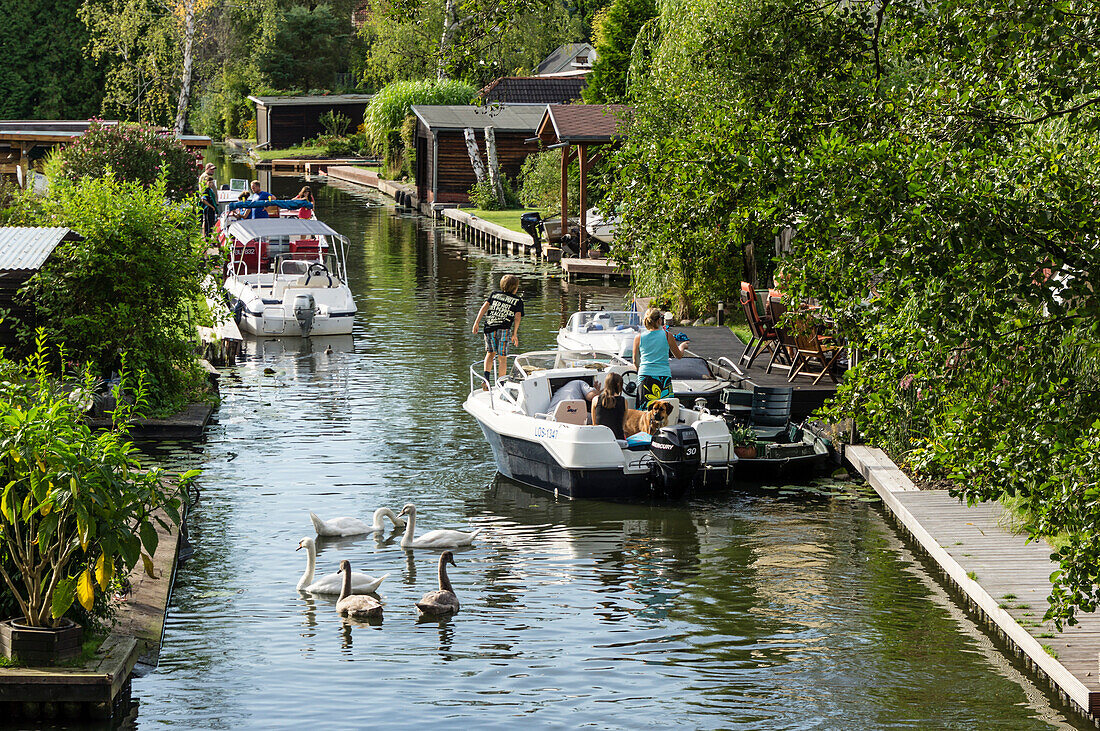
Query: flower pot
{"type": "Point", "coordinates": [40, 645]}
{"type": "Point", "coordinates": [745, 452]}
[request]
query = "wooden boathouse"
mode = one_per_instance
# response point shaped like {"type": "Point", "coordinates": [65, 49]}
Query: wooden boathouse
{"type": "Point", "coordinates": [285, 121]}
{"type": "Point", "coordinates": [23, 251]}
{"type": "Point", "coordinates": [444, 174]}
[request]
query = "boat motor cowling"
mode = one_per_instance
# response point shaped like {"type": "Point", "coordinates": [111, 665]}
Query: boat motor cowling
{"type": "Point", "coordinates": [676, 459]}
{"type": "Point", "coordinates": [304, 309]}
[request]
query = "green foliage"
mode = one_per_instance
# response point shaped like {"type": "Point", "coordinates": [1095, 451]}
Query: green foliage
{"type": "Point", "coordinates": [76, 507]}
{"type": "Point", "coordinates": [308, 46]}
{"type": "Point", "coordinates": [483, 195]}
{"type": "Point", "coordinates": [132, 152]}
{"type": "Point", "coordinates": [334, 123]}
{"type": "Point", "coordinates": [45, 74]}
{"type": "Point", "coordinates": [742, 435]}
{"type": "Point", "coordinates": [540, 183]}
{"type": "Point", "coordinates": [941, 170]}
{"type": "Point", "coordinates": [614, 31]}
{"type": "Point", "coordinates": [125, 286]}
{"type": "Point", "coordinates": [392, 105]}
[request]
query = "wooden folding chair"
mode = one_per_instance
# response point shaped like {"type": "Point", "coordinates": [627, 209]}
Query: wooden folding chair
{"type": "Point", "coordinates": [762, 333]}
{"type": "Point", "coordinates": [817, 348]}
{"type": "Point", "coordinates": [785, 355]}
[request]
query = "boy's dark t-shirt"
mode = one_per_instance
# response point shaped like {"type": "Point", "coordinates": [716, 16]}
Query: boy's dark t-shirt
{"type": "Point", "coordinates": [611, 418]}
{"type": "Point", "coordinates": [502, 311]}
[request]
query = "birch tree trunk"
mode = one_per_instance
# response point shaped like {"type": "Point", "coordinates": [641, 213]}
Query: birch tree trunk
{"type": "Point", "coordinates": [475, 156]}
{"type": "Point", "coordinates": [450, 27]}
{"type": "Point", "coordinates": [188, 58]}
{"type": "Point", "coordinates": [494, 167]}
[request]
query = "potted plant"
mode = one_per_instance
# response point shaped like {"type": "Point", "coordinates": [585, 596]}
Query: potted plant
{"type": "Point", "coordinates": [744, 441]}
{"type": "Point", "coordinates": [75, 507]}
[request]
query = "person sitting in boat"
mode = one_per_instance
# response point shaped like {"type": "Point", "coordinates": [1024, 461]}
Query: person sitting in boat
{"type": "Point", "coordinates": [241, 212]}
{"type": "Point", "coordinates": [305, 194]}
{"type": "Point", "coordinates": [610, 407]}
{"type": "Point", "coordinates": [259, 194]}
{"type": "Point", "coordinates": [572, 391]}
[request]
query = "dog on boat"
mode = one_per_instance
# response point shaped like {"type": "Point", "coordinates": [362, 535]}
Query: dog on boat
{"type": "Point", "coordinates": [649, 421]}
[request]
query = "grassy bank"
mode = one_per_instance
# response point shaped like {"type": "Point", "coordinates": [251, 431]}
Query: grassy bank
{"type": "Point", "coordinates": [507, 219]}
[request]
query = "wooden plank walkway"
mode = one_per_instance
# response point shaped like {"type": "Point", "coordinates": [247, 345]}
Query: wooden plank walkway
{"type": "Point", "coordinates": [605, 268]}
{"type": "Point", "coordinates": [1003, 579]}
{"type": "Point", "coordinates": [713, 342]}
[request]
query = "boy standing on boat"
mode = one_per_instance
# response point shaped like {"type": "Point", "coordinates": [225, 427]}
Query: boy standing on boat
{"type": "Point", "coordinates": [502, 312]}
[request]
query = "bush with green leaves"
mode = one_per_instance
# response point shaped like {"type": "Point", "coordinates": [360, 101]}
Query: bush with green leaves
{"type": "Point", "coordinates": [77, 508]}
{"type": "Point", "coordinates": [135, 153]}
{"type": "Point", "coordinates": [540, 183]}
{"type": "Point", "coordinates": [126, 286]}
{"type": "Point", "coordinates": [389, 108]}
{"type": "Point", "coordinates": [484, 196]}
{"type": "Point", "coordinates": [334, 123]}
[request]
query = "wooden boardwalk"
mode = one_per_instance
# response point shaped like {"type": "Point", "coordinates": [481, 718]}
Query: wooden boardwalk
{"type": "Point", "coordinates": [605, 268]}
{"type": "Point", "coordinates": [713, 343]}
{"type": "Point", "coordinates": [1002, 579]}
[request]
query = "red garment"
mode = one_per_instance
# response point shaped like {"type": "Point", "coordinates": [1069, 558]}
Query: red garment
{"type": "Point", "coordinates": [305, 213]}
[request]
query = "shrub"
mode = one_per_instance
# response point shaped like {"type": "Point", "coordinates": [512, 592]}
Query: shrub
{"type": "Point", "coordinates": [130, 152]}
{"type": "Point", "coordinates": [484, 197]}
{"type": "Point", "coordinates": [126, 286]}
{"type": "Point", "coordinates": [540, 183]}
{"type": "Point", "coordinates": [389, 108]}
{"type": "Point", "coordinates": [77, 507]}
{"type": "Point", "coordinates": [334, 123]}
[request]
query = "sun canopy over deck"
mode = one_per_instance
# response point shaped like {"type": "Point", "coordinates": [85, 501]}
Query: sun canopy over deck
{"type": "Point", "coordinates": [258, 228]}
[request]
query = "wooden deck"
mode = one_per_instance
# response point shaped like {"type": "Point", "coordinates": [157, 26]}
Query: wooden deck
{"type": "Point", "coordinates": [187, 424]}
{"type": "Point", "coordinates": [713, 343]}
{"type": "Point", "coordinates": [605, 268]}
{"type": "Point", "coordinates": [1001, 578]}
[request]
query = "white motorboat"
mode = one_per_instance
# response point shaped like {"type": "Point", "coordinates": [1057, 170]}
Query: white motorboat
{"type": "Point", "coordinates": [288, 277]}
{"type": "Point", "coordinates": [600, 227]}
{"type": "Point", "coordinates": [608, 331]}
{"type": "Point", "coordinates": [560, 451]}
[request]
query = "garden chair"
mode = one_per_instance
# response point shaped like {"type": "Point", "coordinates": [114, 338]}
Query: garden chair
{"type": "Point", "coordinates": [785, 355]}
{"type": "Point", "coordinates": [814, 347]}
{"type": "Point", "coordinates": [771, 410]}
{"type": "Point", "coordinates": [760, 328]}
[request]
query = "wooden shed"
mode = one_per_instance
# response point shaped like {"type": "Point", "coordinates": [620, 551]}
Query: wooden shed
{"type": "Point", "coordinates": [285, 121]}
{"type": "Point", "coordinates": [23, 251]}
{"type": "Point", "coordinates": [443, 170]}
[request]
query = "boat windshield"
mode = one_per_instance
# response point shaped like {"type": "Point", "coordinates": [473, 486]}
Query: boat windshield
{"type": "Point", "coordinates": [544, 360]}
{"type": "Point", "coordinates": [591, 321]}
{"type": "Point", "coordinates": [691, 369]}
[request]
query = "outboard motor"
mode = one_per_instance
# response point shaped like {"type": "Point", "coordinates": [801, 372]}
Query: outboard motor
{"type": "Point", "coordinates": [304, 309]}
{"type": "Point", "coordinates": [676, 459]}
{"type": "Point", "coordinates": [532, 223]}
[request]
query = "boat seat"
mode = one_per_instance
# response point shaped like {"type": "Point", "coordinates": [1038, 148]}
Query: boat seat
{"type": "Point", "coordinates": [571, 411]}
{"type": "Point", "coordinates": [317, 281]}
{"type": "Point", "coordinates": [674, 415]}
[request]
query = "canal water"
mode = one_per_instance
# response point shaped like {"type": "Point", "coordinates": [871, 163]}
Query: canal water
{"type": "Point", "coordinates": [793, 608]}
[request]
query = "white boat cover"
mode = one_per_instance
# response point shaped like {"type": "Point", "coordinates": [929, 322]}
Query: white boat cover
{"type": "Point", "coordinates": [249, 229]}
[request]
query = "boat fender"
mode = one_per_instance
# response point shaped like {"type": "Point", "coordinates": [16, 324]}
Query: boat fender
{"type": "Point", "coordinates": [238, 310]}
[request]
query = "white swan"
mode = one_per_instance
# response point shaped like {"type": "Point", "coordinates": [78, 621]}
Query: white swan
{"type": "Point", "coordinates": [433, 538]}
{"type": "Point", "coordinates": [332, 583]}
{"type": "Point", "coordinates": [354, 526]}
{"type": "Point", "coordinates": [441, 602]}
{"type": "Point", "coordinates": [356, 607]}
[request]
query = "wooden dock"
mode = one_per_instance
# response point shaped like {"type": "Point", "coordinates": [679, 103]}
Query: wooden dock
{"type": "Point", "coordinates": [187, 424]}
{"type": "Point", "coordinates": [999, 577]}
{"type": "Point", "coordinates": [308, 165]}
{"type": "Point", "coordinates": [100, 688]}
{"type": "Point", "coordinates": [493, 237]}
{"type": "Point", "coordinates": [605, 268]}
{"type": "Point", "coordinates": [717, 342]}
{"type": "Point", "coordinates": [403, 195]}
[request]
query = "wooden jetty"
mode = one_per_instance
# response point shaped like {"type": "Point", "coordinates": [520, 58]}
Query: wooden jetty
{"type": "Point", "coordinates": [308, 165]}
{"type": "Point", "coordinates": [187, 424]}
{"type": "Point", "coordinates": [404, 195]}
{"type": "Point", "coordinates": [714, 342]}
{"type": "Point", "coordinates": [605, 268]}
{"type": "Point", "coordinates": [99, 689]}
{"type": "Point", "coordinates": [493, 237]}
{"type": "Point", "coordinates": [998, 575]}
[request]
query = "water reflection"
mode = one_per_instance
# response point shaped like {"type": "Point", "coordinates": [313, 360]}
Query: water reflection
{"type": "Point", "coordinates": [747, 610]}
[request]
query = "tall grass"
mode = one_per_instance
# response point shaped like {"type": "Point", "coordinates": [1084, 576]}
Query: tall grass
{"type": "Point", "coordinates": [393, 103]}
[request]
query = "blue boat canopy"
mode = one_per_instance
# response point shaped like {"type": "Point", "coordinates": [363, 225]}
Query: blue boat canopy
{"type": "Point", "coordinates": [288, 205]}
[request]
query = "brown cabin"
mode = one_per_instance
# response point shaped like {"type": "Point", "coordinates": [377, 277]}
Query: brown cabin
{"type": "Point", "coordinates": [23, 251]}
{"type": "Point", "coordinates": [285, 121]}
{"type": "Point", "coordinates": [443, 170]}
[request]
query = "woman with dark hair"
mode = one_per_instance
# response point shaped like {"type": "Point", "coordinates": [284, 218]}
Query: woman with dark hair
{"type": "Point", "coordinates": [610, 407]}
{"type": "Point", "coordinates": [305, 194]}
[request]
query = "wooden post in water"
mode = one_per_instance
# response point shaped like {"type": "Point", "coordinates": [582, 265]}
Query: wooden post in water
{"type": "Point", "coordinates": [565, 190]}
{"type": "Point", "coordinates": [494, 167]}
{"type": "Point", "coordinates": [475, 156]}
{"type": "Point", "coordinates": [582, 163]}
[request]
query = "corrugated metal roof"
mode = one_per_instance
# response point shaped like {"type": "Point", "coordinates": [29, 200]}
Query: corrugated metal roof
{"type": "Point", "coordinates": [508, 118]}
{"type": "Point", "coordinates": [28, 248]}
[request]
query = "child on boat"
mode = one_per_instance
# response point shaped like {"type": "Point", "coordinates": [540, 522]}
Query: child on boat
{"type": "Point", "coordinates": [610, 407]}
{"type": "Point", "coordinates": [502, 311]}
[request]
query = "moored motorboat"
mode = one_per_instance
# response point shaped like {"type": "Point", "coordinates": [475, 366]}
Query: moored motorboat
{"type": "Point", "coordinates": [599, 226]}
{"type": "Point", "coordinates": [608, 331]}
{"type": "Point", "coordinates": [560, 451]}
{"type": "Point", "coordinates": [288, 277]}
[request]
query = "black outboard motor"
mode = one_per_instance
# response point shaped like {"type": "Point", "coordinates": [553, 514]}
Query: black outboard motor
{"type": "Point", "coordinates": [532, 224]}
{"type": "Point", "coordinates": [676, 459]}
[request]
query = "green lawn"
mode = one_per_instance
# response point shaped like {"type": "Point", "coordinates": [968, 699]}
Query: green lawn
{"type": "Point", "coordinates": [507, 219]}
{"type": "Point", "coordinates": [289, 152]}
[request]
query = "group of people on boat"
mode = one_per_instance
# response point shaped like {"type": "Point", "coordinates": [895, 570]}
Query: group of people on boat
{"type": "Point", "coordinates": [208, 201]}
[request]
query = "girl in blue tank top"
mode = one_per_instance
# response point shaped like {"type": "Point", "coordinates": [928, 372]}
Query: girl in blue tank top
{"type": "Point", "coordinates": [651, 351]}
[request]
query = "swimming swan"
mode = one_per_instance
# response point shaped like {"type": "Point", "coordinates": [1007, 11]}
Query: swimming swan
{"type": "Point", "coordinates": [433, 538]}
{"type": "Point", "coordinates": [332, 583]}
{"type": "Point", "coordinates": [356, 607]}
{"type": "Point", "coordinates": [443, 601]}
{"type": "Point", "coordinates": [354, 526]}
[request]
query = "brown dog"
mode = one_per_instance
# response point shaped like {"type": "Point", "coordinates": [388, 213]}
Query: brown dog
{"type": "Point", "coordinates": [649, 421]}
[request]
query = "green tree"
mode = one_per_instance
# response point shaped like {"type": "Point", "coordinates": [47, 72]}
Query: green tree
{"type": "Point", "coordinates": [614, 30]}
{"type": "Point", "coordinates": [308, 47]}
